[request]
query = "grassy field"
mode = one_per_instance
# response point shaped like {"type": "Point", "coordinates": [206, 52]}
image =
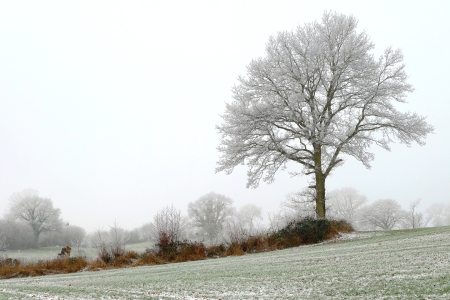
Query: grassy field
{"type": "Point", "coordinates": [406, 264]}
{"type": "Point", "coordinates": [32, 255]}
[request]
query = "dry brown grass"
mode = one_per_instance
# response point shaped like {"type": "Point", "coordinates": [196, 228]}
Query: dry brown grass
{"type": "Point", "coordinates": [234, 249]}
{"type": "Point", "coordinates": [148, 259]}
{"type": "Point", "coordinates": [44, 267]}
{"type": "Point", "coordinates": [181, 252]}
{"type": "Point", "coordinates": [216, 251]}
{"type": "Point", "coordinates": [97, 265]}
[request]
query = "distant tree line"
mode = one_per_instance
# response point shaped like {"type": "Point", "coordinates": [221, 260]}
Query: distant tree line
{"type": "Point", "coordinates": [383, 214]}
{"type": "Point", "coordinates": [33, 222]}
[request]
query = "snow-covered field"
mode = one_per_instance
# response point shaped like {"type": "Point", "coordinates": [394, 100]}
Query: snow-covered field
{"type": "Point", "coordinates": [408, 264]}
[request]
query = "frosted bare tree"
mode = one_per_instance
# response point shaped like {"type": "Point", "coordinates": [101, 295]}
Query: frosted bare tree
{"type": "Point", "coordinates": [414, 218]}
{"type": "Point", "coordinates": [318, 96]}
{"type": "Point", "coordinates": [169, 222]}
{"type": "Point", "coordinates": [37, 212]}
{"type": "Point", "coordinates": [249, 215]}
{"type": "Point", "coordinates": [383, 214]}
{"type": "Point", "coordinates": [209, 213]}
{"type": "Point", "coordinates": [344, 203]}
{"type": "Point", "coordinates": [109, 244]}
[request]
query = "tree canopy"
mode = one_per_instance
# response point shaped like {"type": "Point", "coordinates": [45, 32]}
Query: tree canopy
{"type": "Point", "coordinates": [37, 212]}
{"type": "Point", "coordinates": [209, 213]}
{"type": "Point", "coordinates": [317, 96]}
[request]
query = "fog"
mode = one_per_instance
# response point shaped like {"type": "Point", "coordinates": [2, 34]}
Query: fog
{"type": "Point", "coordinates": [109, 108]}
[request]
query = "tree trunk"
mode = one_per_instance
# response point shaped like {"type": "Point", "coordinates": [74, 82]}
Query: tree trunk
{"type": "Point", "coordinates": [320, 183]}
{"type": "Point", "coordinates": [320, 195]}
{"type": "Point", "coordinates": [36, 239]}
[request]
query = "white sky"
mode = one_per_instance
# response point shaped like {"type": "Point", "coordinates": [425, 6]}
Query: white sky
{"type": "Point", "coordinates": [109, 108]}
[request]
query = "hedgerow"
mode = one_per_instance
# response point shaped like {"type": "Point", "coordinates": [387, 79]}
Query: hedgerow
{"type": "Point", "coordinates": [168, 250]}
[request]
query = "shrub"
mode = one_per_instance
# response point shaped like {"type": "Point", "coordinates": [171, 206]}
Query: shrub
{"type": "Point", "coordinates": [110, 244]}
{"type": "Point", "coordinates": [179, 251]}
{"type": "Point", "coordinates": [337, 226]}
{"type": "Point", "coordinates": [255, 244]}
{"type": "Point", "coordinates": [167, 244]}
{"type": "Point", "coordinates": [148, 258]}
{"type": "Point", "coordinates": [216, 251]}
{"type": "Point", "coordinates": [121, 261]}
{"type": "Point", "coordinates": [189, 251]}
{"type": "Point", "coordinates": [308, 230]}
{"type": "Point", "coordinates": [97, 265]}
{"type": "Point", "coordinates": [305, 231]}
{"type": "Point", "coordinates": [235, 249]}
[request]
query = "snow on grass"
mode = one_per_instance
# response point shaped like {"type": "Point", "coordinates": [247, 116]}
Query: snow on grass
{"type": "Point", "coordinates": [44, 253]}
{"type": "Point", "coordinates": [33, 255]}
{"type": "Point", "coordinates": [407, 264]}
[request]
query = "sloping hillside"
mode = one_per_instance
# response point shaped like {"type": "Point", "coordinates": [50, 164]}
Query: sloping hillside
{"type": "Point", "coordinates": [406, 264]}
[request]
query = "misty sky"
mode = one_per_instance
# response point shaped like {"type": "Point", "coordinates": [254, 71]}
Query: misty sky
{"type": "Point", "coordinates": [109, 108]}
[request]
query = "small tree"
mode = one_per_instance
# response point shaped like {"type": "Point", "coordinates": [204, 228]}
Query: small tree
{"type": "Point", "coordinates": [383, 214]}
{"type": "Point", "coordinates": [209, 213]}
{"type": "Point", "coordinates": [100, 241]}
{"type": "Point", "coordinates": [170, 229]}
{"type": "Point", "coordinates": [109, 244]}
{"type": "Point", "coordinates": [317, 97]}
{"type": "Point", "coordinates": [344, 204]}
{"type": "Point", "coordinates": [37, 212]}
{"type": "Point", "coordinates": [414, 218]}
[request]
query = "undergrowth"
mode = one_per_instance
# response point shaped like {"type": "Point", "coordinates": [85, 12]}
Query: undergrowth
{"type": "Point", "coordinates": [296, 233]}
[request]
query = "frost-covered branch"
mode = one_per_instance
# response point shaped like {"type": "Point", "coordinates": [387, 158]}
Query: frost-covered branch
{"type": "Point", "coordinates": [318, 95]}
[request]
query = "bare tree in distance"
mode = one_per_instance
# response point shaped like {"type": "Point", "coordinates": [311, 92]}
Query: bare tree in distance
{"type": "Point", "coordinates": [414, 218]}
{"type": "Point", "coordinates": [248, 215]}
{"type": "Point", "coordinates": [234, 230]}
{"type": "Point", "coordinates": [3, 247]}
{"type": "Point", "coordinates": [209, 213]}
{"type": "Point", "coordinates": [147, 231]}
{"type": "Point", "coordinates": [3, 244]}
{"type": "Point", "coordinates": [318, 96]}
{"type": "Point", "coordinates": [37, 212]}
{"type": "Point", "coordinates": [19, 234]}
{"type": "Point", "coordinates": [439, 213]}
{"type": "Point", "coordinates": [383, 214]}
{"type": "Point", "coordinates": [344, 203]}
{"type": "Point", "coordinates": [299, 205]}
